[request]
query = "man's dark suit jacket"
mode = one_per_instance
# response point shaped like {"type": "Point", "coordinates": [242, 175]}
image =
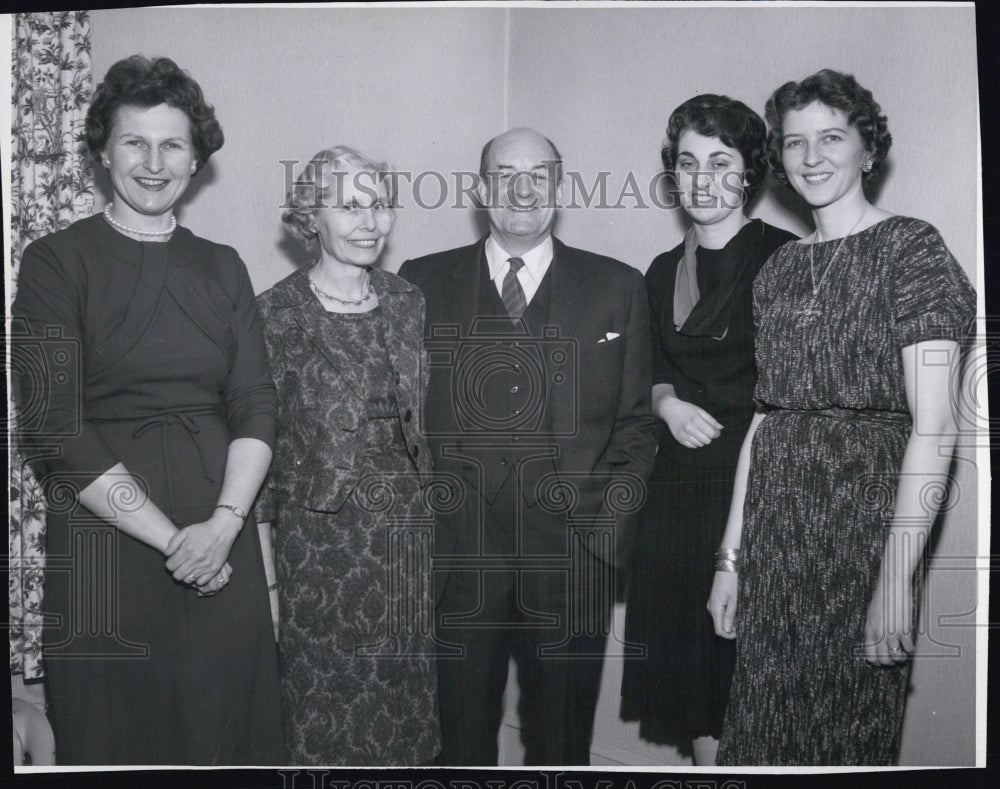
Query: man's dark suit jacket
{"type": "Point", "coordinates": [595, 439]}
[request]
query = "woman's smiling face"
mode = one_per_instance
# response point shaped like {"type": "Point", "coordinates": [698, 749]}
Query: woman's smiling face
{"type": "Point", "coordinates": [822, 154]}
{"type": "Point", "coordinates": [150, 158]}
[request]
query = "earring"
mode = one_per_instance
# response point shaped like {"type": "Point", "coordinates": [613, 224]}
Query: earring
{"type": "Point", "coordinates": [867, 163]}
{"type": "Point", "coordinates": [194, 166]}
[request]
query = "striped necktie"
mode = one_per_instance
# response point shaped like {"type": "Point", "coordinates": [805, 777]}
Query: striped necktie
{"type": "Point", "coordinates": [513, 294]}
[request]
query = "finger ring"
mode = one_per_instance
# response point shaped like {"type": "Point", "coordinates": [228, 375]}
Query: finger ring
{"type": "Point", "coordinates": [189, 579]}
{"type": "Point", "coordinates": [895, 650]}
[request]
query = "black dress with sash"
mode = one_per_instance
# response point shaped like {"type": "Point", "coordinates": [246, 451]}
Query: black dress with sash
{"type": "Point", "coordinates": [148, 354]}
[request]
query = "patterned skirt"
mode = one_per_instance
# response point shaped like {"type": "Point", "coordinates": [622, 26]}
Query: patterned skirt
{"type": "Point", "coordinates": [819, 499]}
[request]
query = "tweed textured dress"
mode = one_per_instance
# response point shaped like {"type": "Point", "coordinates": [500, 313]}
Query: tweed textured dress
{"type": "Point", "coordinates": [821, 490]}
{"type": "Point", "coordinates": [358, 679]}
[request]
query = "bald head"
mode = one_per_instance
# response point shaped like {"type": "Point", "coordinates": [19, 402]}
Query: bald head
{"type": "Point", "coordinates": [521, 133]}
{"type": "Point", "coordinates": [520, 188]}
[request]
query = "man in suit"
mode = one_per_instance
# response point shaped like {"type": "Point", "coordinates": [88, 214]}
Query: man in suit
{"type": "Point", "coordinates": [538, 409]}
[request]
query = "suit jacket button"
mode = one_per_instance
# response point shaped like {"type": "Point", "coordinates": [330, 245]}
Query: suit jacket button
{"type": "Point", "coordinates": [504, 461]}
{"type": "Point", "coordinates": [408, 415]}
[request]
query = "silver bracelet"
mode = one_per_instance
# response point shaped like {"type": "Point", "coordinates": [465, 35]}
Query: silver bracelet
{"type": "Point", "coordinates": [727, 560]}
{"type": "Point", "coordinates": [728, 553]}
{"type": "Point", "coordinates": [237, 511]}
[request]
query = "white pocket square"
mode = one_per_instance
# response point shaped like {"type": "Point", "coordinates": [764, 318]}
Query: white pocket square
{"type": "Point", "coordinates": [611, 335]}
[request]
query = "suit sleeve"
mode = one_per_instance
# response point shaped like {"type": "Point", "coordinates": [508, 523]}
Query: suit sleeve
{"type": "Point", "coordinates": [628, 458]}
{"type": "Point", "coordinates": [633, 441]}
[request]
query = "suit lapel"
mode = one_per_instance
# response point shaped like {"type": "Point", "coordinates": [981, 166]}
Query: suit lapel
{"type": "Point", "coordinates": [463, 299]}
{"type": "Point", "coordinates": [567, 304]}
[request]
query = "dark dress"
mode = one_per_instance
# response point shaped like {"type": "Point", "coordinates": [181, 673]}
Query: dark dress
{"type": "Point", "coordinates": [678, 689]}
{"type": "Point", "coordinates": [154, 359]}
{"type": "Point", "coordinates": [820, 494]}
{"type": "Point", "coordinates": [358, 678]}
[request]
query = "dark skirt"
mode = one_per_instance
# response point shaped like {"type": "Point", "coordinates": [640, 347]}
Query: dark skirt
{"type": "Point", "coordinates": [141, 670]}
{"type": "Point", "coordinates": [678, 691]}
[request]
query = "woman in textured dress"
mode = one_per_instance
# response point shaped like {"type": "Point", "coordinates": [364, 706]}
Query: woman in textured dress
{"type": "Point", "coordinates": [858, 341]}
{"type": "Point", "coordinates": [703, 368]}
{"type": "Point", "coordinates": [151, 414]}
{"type": "Point", "coordinates": [352, 537]}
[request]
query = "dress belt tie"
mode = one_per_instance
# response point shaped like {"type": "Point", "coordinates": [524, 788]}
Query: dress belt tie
{"type": "Point", "coordinates": [167, 420]}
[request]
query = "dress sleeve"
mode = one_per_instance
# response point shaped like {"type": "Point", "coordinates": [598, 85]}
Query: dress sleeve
{"type": "Point", "coordinates": [664, 370]}
{"type": "Point", "coordinates": [250, 396]}
{"type": "Point", "coordinates": [932, 297]}
{"type": "Point", "coordinates": [48, 367]}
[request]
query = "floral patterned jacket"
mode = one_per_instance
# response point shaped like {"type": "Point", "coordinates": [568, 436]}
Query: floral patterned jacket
{"type": "Point", "coordinates": [319, 407]}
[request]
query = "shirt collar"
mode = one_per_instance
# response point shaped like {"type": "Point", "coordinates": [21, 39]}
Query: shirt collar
{"type": "Point", "coordinates": [536, 260]}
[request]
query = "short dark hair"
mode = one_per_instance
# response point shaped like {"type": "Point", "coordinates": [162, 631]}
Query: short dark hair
{"type": "Point", "coordinates": [486, 152]}
{"type": "Point", "coordinates": [137, 81]}
{"type": "Point", "coordinates": [837, 91]}
{"type": "Point", "coordinates": [731, 121]}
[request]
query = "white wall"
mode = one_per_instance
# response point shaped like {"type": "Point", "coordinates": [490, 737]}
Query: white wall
{"type": "Point", "coordinates": [419, 87]}
{"type": "Point", "coordinates": [426, 88]}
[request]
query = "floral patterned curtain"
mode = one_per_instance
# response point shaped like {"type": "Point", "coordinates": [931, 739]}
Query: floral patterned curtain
{"type": "Point", "coordinates": [52, 186]}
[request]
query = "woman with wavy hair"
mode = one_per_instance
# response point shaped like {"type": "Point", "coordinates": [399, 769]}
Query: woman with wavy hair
{"type": "Point", "coordinates": [859, 328]}
{"type": "Point", "coordinates": [152, 423]}
{"type": "Point", "coordinates": [345, 497]}
{"type": "Point", "coordinates": [703, 379]}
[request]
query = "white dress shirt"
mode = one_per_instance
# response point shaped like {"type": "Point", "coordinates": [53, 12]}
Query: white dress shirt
{"type": "Point", "coordinates": [536, 263]}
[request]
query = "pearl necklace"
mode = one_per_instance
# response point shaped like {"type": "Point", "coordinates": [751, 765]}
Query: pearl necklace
{"type": "Point", "coordinates": [818, 238]}
{"type": "Point", "coordinates": [346, 302]}
{"type": "Point", "coordinates": [126, 229]}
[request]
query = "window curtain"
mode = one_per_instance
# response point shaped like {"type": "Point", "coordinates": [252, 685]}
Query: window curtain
{"type": "Point", "coordinates": [52, 186]}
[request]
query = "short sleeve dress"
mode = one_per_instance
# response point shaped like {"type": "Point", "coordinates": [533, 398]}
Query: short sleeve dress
{"type": "Point", "coordinates": [824, 467]}
{"type": "Point", "coordinates": [151, 355]}
{"type": "Point", "coordinates": [677, 688]}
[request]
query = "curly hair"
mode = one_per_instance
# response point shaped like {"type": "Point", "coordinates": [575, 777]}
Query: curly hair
{"type": "Point", "coordinates": [137, 81]}
{"type": "Point", "coordinates": [731, 121]}
{"type": "Point", "coordinates": [312, 189]}
{"type": "Point", "coordinates": [837, 91]}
